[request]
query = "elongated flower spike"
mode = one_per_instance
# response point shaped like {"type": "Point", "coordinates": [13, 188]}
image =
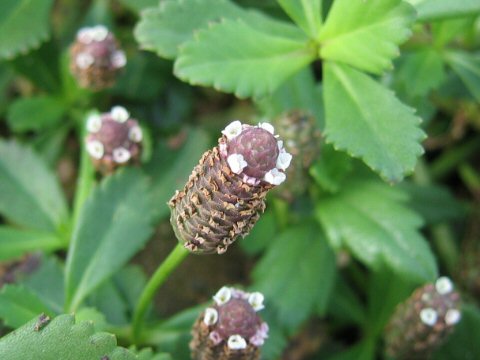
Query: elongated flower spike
{"type": "Point", "coordinates": [225, 193]}
{"type": "Point", "coordinates": [96, 58]}
{"type": "Point", "coordinates": [113, 140]}
{"type": "Point", "coordinates": [230, 328]}
{"type": "Point", "coordinates": [423, 321]}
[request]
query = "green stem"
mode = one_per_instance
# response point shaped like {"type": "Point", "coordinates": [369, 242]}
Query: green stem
{"type": "Point", "coordinates": [174, 259]}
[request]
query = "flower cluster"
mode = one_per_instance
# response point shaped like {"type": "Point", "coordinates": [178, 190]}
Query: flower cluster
{"type": "Point", "coordinates": [96, 58]}
{"type": "Point", "coordinates": [113, 139]}
{"type": "Point", "coordinates": [226, 191]}
{"type": "Point", "coordinates": [230, 328]}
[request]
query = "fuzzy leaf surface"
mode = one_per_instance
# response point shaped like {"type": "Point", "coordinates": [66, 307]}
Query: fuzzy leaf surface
{"type": "Point", "coordinates": [371, 220]}
{"type": "Point", "coordinates": [114, 223]}
{"type": "Point", "coordinates": [15, 242]}
{"type": "Point", "coordinates": [467, 67]}
{"type": "Point", "coordinates": [306, 13]}
{"type": "Point", "coordinates": [369, 122]}
{"type": "Point", "coordinates": [296, 273]}
{"type": "Point", "coordinates": [18, 305]}
{"type": "Point", "coordinates": [366, 34]}
{"type": "Point", "coordinates": [62, 338]}
{"type": "Point", "coordinates": [238, 57]}
{"type": "Point", "coordinates": [30, 195]}
{"type": "Point", "coordinates": [428, 10]}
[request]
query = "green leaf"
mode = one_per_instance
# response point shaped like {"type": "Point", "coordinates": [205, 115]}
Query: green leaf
{"type": "Point", "coordinates": [62, 338]}
{"type": "Point", "coordinates": [139, 5]}
{"type": "Point", "coordinates": [18, 305]}
{"type": "Point", "coordinates": [306, 13]}
{"type": "Point", "coordinates": [366, 34]}
{"type": "Point", "coordinates": [236, 56]}
{"type": "Point", "coordinates": [370, 219]}
{"type": "Point", "coordinates": [30, 194]}
{"type": "Point", "coordinates": [261, 235]}
{"type": "Point", "coordinates": [369, 122]}
{"type": "Point", "coordinates": [24, 24]}
{"type": "Point", "coordinates": [467, 67]}
{"type": "Point", "coordinates": [296, 273]}
{"type": "Point", "coordinates": [422, 71]}
{"type": "Point", "coordinates": [35, 113]}
{"type": "Point", "coordinates": [170, 168]}
{"type": "Point", "coordinates": [428, 10]}
{"type": "Point", "coordinates": [115, 222]}
{"type": "Point", "coordinates": [14, 242]}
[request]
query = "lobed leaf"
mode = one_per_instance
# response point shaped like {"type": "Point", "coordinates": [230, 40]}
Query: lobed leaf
{"type": "Point", "coordinates": [370, 219]}
{"type": "Point", "coordinates": [30, 194]}
{"type": "Point", "coordinates": [296, 273]}
{"type": "Point", "coordinates": [467, 67]}
{"type": "Point", "coordinates": [234, 56]}
{"type": "Point", "coordinates": [115, 222]}
{"type": "Point", "coordinates": [306, 13]}
{"type": "Point", "coordinates": [24, 24]}
{"type": "Point", "coordinates": [369, 122]}
{"type": "Point", "coordinates": [366, 34]}
{"type": "Point", "coordinates": [61, 338]}
{"type": "Point", "coordinates": [429, 10]}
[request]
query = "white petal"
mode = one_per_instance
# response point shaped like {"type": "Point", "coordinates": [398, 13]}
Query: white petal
{"type": "Point", "coordinates": [232, 130]}
{"type": "Point", "coordinates": [211, 316]}
{"type": "Point", "coordinates": [99, 33]}
{"type": "Point", "coordinates": [237, 163]}
{"type": "Point", "coordinates": [267, 126]}
{"type": "Point", "coordinates": [119, 113]}
{"type": "Point", "coordinates": [283, 160]}
{"type": "Point", "coordinates": [444, 285]}
{"type": "Point", "coordinates": [223, 296]}
{"type": "Point", "coordinates": [280, 145]}
{"type": "Point", "coordinates": [95, 149]}
{"type": "Point", "coordinates": [84, 60]}
{"type": "Point", "coordinates": [118, 59]}
{"type": "Point", "coordinates": [215, 337]}
{"type": "Point", "coordinates": [429, 316]}
{"type": "Point", "coordinates": [121, 155]}
{"type": "Point", "coordinates": [94, 123]}
{"type": "Point", "coordinates": [275, 177]}
{"type": "Point", "coordinates": [256, 300]}
{"type": "Point", "coordinates": [452, 316]}
{"type": "Point", "coordinates": [84, 35]}
{"type": "Point", "coordinates": [135, 134]}
{"type": "Point", "coordinates": [236, 342]}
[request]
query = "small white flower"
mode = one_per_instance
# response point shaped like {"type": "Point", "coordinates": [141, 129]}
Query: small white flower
{"type": "Point", "coordinates": [236, 342]}
{"type": "Point", "coordinates": [223, 296]}
{"type": "Point", "coordinates": [215, 337]}
{"type": "Point", "coordinates": [121, 155]}
{"type": "Point", "coordinates": [428, 316]}
{"type": "Point", "coordinates": [232, 130]}
{"type": "Point", "coordinates": [267, 126]}
{"type": "Point", "coordinates": [211, 316]}
{"type": "Point", "coordinates": [84, 60]}
{"type": "Point", "coordinates": [99, 33]}
{"type": "Point", "coordinates": [84, 35]}
{"type": "Point", "coordinates": [283, 160]}
{"type": "Point", "coordinates": [275, 177]}
{"type": "Point", "coordinates": [119, 113]}
{"type": "Point", "coordinates": [280, 145]}
{"type": "Point", "coordinates": [444, 285]}
{"type": "Point", "coordinates": [95, 149]}
{"type": "Point", "coordinates": [94, 123]}
{"type": "Point", "coordinates": [452, 317]}
{"type": "Point", "coordinates": [118, 59]}
{"type": "Point", "coordinates": [135, 134]}
{"type": "Point", "coordinates": [237, 163]}
{"type": "Point", "coordinates": [257, 340]}
{"type": "Point", "coordinates": [256, 300]}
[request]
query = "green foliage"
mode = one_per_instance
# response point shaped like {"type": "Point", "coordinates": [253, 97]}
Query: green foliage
{"type": "Point", "coordinates": [61, 338]}
{"type": "Point", "coordinates": [23, 25]}
{"type": "Point", "coordinates": [440, 9]}
{"type": "Point", "coordinates": [370, 219]}
{"type": "Point", "coordinates": [366, 34]}
{"type": "Point", "coordinates": [114, 224]}
{"type": "Point", "coordinates": [467, 67]}
{"type": "Point", "coordinates": [306, 13]}
{"type": "Point", "coordinates": [30, 195]}
{"type": "Point", "coordinates": [139, 5]}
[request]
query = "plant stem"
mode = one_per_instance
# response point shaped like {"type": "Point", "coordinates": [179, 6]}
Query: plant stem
{"type": "Point", "coordinates": [174, 259]}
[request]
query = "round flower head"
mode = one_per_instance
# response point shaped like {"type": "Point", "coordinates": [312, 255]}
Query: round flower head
{"type": "Point", "coordinates": [96, 58]}
{"type": "Point", "coordinates": [423, 321]}
{"type": "Point", "coordinates": [114, 139]}
{"type": "Point", "coordinates": [230, 328]}
{"type": "Point", "coordinates": [225, 194]}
